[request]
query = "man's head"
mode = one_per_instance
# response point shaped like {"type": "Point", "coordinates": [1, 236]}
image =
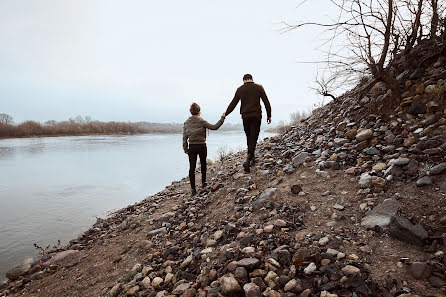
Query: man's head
{"type": "Point", "coordinates": [195, 109]}
{"type": "Point", "coordinates": [247, 78]}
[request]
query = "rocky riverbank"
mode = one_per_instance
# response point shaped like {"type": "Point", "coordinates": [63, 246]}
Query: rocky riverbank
{"type": "Point", "coordinates": [352, 202]}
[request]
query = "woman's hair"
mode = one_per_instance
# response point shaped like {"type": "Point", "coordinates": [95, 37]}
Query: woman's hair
{"type": "Point", "coordinates": [195, 109]}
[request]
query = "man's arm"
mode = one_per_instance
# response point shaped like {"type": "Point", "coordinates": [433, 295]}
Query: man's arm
{"type": "Point", "coordinates": [266, 103]}
{"type": "Point", "coordinates": [185, 137]}
{"type": "Point", "coordinates": [216, 126]}
{"type": "Point", "coordinates": [233, 103]}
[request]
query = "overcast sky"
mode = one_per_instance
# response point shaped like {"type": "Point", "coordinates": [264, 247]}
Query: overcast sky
{"type": "Point", "coordinates": [142, 60]}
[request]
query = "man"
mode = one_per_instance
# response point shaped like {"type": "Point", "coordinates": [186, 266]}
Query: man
{"type": "Point", "coordinates": [250, 94]}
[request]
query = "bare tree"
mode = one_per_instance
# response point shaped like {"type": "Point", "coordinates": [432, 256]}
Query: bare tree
{"type": "Point", "coordinates": [367, 35]}
{"type": "Point", "coordinates": [6, 119]}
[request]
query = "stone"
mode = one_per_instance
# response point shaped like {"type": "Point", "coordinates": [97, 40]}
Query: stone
{"type": "Point", "coordinates": [279, 223]}
{"type": "Point", "coordinates": [416, 108]}
{"type": "Point", "coordinates": [291, 285]}
{"type": "Point", "coordinates": [114, 292]}
{"type": "Point", "coordinates": [340, 142]}
{"type": "Point", "coordinates": [327, 294]}
{"type": "Point", "coordinates": [157, 281]}
{"type": "Point", "coordinates": [296, 189]}
{"type": "Point", "coordinates": [351, 171]}
{"type": "Point", "coordinates": [229, 285]}
{"type": "Point", "coordinates": [19, 270]}
{"type": "Point", "coordinates": [424, 181]}
{"type": "Point", "coordinates": [365, 181]}
{"type": "Point", "coordinates": [240, 274]}
{"type": "Point", "coordinates": [379, 167]}
{"type": "Point", "coordinates": [310, 268]}
{"type": "Point", "coordinates": [180, 288]}
{"type": "Point", "coordinates": [288, 169]}
{"type": "Point", "coordinates": [438, 169]}
{"type": "Point", "coordinates": [430, 89]}
{"type": "Point", "coordinates": [187, 261]}
{"type": "Point", "coordinates": [146, 282]}
{"type": "Point", "coordinates": [364, 135]}
{"type": "Point", "coordinates": [325, 262]}
{"type": "Point", "coordinates": [266, 195]}
{"type": "Point", "coordinates": [268, 229]}
{"type": "Point", "coordinates": [394, 170]}
{"type": "Point", "coordinates": [252, 290]}
{"type": "Point", "coordinates": [381, 214]}
{"type": "Point", "coordinates": [161, 230]}
{"type": "Point", "coordinates": [338, 207]}
{"type": "Point", "coordinates": [351, 270]}
{"type": "Point", "coordinates": [351, 133]}
{"type": "Point", "coordinates": [429, 121]}
{"type": "Point", "coordinates": [249, 263]}
{"type": "Point", "coordinates": [324, 240]}
{"type": "Point", "coordinates": [420, 89]}
{"type": "Point", "coordinates": [399, 162]}
{"type": "Point", "coordinates": [332, 252]}
{"type": "Point", "coordinates": [59, 257]}
{"type": "Point", "coordinates": [402, 229]}
{"type": "Point", "coordinates": [133, 291]}
{"type": "Point", "coordinates": [421, 270]}
{"type": "Point", "coordinates": [270, 277]}
{"type": "Point", "coordinates": [300, 158]}
{"type": "Point", "coordinates": [189, 292]}
{"type": "Point", "coordinates": [371, 151]}
{"type": "Point", "coordinates": [379, 182]}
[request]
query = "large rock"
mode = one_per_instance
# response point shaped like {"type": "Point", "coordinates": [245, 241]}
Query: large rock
{"type": "Point", "coordinates": [249, 263]}
{"type": "Point", "coordinates": [229, 285]}
{"type": "Point", "coordinates": [252, 290]}
{"type": "Point", "coordinates": [439, 169]}
{"type": "Point", "coordinates": [424, 181]}
{"type": "Point", "coordinates": [59, 257]}
{"type": "Point", "coordinates": [416, 108]}
{"type": "Point", "coordinates": [266, 195]}
{"type": "Point", "coordinates": [381, 214]}
{"type": "Point", "coordinates": [399, 162]}
{"type": "Point", "coordinates": [19, 270]}
{"type": "Point", "coordinates": [364, 135]}
{"type": "Point", "coordinates": [421, 270]}
{"type": "Point", "coordinates": [299, 159]}
{"type": "Point", "coordinates": [402, 229]}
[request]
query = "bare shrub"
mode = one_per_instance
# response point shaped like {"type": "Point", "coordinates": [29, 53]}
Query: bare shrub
{"type": "Point", "coordinates": [222, 153]}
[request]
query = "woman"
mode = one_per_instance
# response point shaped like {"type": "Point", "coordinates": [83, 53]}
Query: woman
{"type": "Point", "coordinates": [194, 142]}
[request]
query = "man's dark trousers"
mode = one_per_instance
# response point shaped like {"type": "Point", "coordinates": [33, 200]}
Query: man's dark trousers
{"type": "Point", "coordinates": [252, 130]}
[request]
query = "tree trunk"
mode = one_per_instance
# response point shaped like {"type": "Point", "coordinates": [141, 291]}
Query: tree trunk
{"type": "Point", "coordinates": [435, 19]}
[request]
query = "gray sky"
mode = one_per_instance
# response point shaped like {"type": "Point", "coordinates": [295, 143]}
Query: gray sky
{"type": "Point", "coordinates": [148, 60]}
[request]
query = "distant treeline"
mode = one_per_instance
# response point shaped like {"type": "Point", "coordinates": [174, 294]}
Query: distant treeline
{"type": "Point", "coordinates": [84, 126]}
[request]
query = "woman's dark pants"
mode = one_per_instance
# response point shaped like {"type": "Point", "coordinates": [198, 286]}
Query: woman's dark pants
{"type": "Point", "coordinates": [194, 151]}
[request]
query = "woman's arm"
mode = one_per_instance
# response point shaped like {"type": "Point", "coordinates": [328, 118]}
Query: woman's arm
{"type": "Point", "coordinates": [216, 126]}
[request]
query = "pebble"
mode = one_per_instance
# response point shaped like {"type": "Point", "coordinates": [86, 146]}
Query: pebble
{"type": "Point", "coordinates": [310, 268]}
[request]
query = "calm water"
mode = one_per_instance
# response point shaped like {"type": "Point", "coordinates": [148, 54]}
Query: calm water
{"type": "Point", "coordinates": [53, 188]}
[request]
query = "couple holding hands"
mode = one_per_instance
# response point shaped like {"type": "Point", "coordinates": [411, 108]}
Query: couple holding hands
{"type": "Point", "coordinates": [194, 129]}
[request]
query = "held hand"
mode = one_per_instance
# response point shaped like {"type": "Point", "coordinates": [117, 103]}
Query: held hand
{"type": "Point", "coordinates": [268, 120]}
{"type": "Point", "coordinates": [223, 115]}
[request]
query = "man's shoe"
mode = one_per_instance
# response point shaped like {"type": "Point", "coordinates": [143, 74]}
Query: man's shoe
{"type": "Point", "coordinates": [204, 185]}
{"type": "Point", "coordinates": [194, 192]}
{"type": "Point", "coordinates": [252, 161]}
{"type": "Point", "coordinates": [246, 164]}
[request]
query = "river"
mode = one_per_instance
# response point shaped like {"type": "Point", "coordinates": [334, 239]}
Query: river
{"type": "Point", "coordinates": [53, 188]}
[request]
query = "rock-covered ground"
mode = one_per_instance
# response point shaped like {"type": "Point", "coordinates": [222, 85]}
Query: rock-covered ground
{"type": "Point", "coordinates": [352, 202]}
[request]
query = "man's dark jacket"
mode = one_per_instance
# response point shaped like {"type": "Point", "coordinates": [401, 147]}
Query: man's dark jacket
{"type": "Point", "coordinates": [250, 94]}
